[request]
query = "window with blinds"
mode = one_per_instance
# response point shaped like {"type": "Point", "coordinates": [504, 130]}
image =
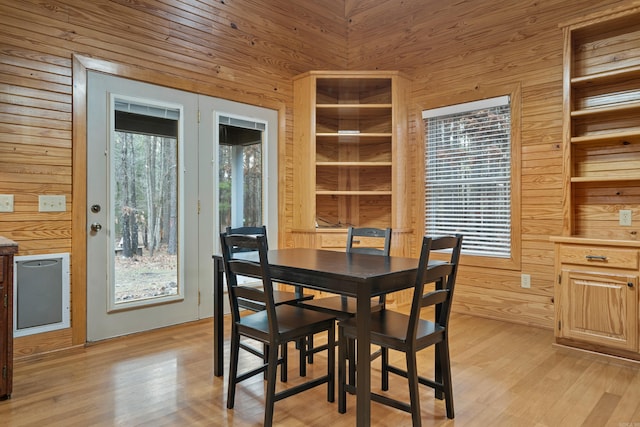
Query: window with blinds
{"type": "Point", "coordinates": [468, 174]}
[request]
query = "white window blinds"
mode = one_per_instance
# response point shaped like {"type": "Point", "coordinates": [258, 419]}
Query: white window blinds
{"type": "Point", "coordinates": [468, 175]}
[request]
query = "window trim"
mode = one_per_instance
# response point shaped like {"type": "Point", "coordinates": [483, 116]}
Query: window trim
{"type": "Point", "coordinates": [514, 92]}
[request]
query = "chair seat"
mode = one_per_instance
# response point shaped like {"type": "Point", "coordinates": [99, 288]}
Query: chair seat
{"type": "Point", "coordinates": [293, 321]}
{"type": "Point", "coordinates": [279, 297]}
{"type": "Point", "coordinates": [389, 328]}
{"type": "Point", "coordinates": [341, 307]}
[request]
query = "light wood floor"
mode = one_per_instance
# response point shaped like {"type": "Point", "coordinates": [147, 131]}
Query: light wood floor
{"type": "Point", "coordinates": [504, 375]}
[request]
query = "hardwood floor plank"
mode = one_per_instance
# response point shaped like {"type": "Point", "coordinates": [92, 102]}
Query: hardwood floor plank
{"type": "Point", "coordinates": [504, 375]}
{"type": "Point", "coordinates": [601, 412]}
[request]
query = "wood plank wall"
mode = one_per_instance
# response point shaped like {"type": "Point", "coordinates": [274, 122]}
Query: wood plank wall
{"type": "Point", "coordinates": [239, 50]}
{"type": "Point", "coordinates": [462, 51]}
{"type": "Point", "coordinates": [248, 51]}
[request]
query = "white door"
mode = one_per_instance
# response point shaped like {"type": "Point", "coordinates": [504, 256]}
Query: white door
{"type": "Point", "coordinates": [156, 164]}
{"type": "Point", "coordinates": [142, 170]}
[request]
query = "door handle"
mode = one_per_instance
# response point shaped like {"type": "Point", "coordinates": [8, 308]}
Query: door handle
{"type": "Point", "coordinates": [95, 227]}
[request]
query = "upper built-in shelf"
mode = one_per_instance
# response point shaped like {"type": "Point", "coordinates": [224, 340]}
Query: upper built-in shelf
{"type": "Point", "coordinates": [360, 91]}
{"type": "Point", "coordinates": [353, 193]}
{"type": "Point", "coordinates": [369, 137]}
{"type": "Point", "coordinates": [355, 164]}
{"type": "Point", "coordinates": [377, 112]}
{"type": "Point", "coordinates": [607, 77]}
{"type": "Point", "coordinates": [622, 137]}
{"type": "Point", "coordinates": [631, 107]}
{"type": "Point", "coordinates": [349, 134]}
{"type": "Point", "coordinates": [610, 178]}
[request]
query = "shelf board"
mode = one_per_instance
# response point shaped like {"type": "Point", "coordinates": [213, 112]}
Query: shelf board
{"type": "Point", "coordinates": [630, 177]}
{"type": "Point", "coordinates": [362, 137]}
{"type": "Point", "coordinates": [352, 193]}
{"type": "Point", "coordinates": [355, 164]}
{"type": "Point", "coordinates": [606, 77]}
{"type": "Point", "coordinates": [614, 109]}
{"type": "Point", "coordinates": [355, 106]}
{"type": "Point", "coordinates": [360, 134]}
{"type": "Point", "coordinates": [354, 111]}
{"type": "Point", "coordinates": [586, 240]}
{"type": "Point", "coordinates": [606, 137]}
{"type": "Point", "coordinates": [352, 81]}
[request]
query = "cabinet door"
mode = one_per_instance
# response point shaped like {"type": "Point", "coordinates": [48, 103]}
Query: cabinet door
{"type": "Point", "coordinates": [600, 308]}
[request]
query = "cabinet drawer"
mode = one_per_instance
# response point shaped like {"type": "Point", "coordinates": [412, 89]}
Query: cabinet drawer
{"type": "Point", "coordinates": [600, 257]}
{"type": "Point", "coordinates": [333, 241]}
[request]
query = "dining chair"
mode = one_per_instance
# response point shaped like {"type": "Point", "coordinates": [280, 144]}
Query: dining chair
{"type": "Point", "coordinates": [279, 296]}
{"type": "Point", "coordinates": [344, 307]}
{"type": "Point", "coordinates": [411, 333]}
{"type": "Point", "coordinates": [275, 326]}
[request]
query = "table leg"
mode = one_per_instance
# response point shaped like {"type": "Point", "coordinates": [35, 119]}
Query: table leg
{"type": "Point", "coordinates": [218, 317]}
{"type": "Point", "coordinates": [363, 358]}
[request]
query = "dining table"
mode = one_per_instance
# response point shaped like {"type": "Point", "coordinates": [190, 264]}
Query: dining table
{"type": "Point", "coordinates": [361, 276]}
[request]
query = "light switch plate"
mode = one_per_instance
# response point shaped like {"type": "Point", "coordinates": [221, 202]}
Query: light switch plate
{"type": "Point", "coordinates": [6, 202]}
{"type": "Point", "coordinates": [52, 203]}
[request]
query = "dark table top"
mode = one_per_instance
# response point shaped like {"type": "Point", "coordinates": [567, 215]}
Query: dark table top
{"type": "Point", "coordinates": [339, 272]}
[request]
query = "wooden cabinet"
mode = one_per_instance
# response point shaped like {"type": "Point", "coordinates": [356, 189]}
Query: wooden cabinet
{"type": "Point", "coordinates": [596, 294]}
{"type": "Point", "coordinates": [349, 136]}
{"type": "Point", "coordinates": [7, 249]}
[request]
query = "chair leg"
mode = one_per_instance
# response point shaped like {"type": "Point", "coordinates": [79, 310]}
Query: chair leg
{"type": "Point", "coordinates": [443, 349]}
{"type": "Point", "coordinates": [233, 369]}
{"type": "Point", "coordinates": [331, 363]}
{"type": "Point", "coordinates": [438, 370]}
{"type": "Point", "coordinates": [265, 353]}
{"type": "Point", "coordinates": [271, 385]}
{"type": "Point", "coordinates": [310, 349]}
{"type": "Point", "coordinates": [285, 364]}
{"type": "Point", "coordinates": [384, 351]}
{"type": "Point", "coordinates": [302, 345]}
{"type": "Point", "coordinates": [351, 356]}
{"type": "Point", "coordinates": [342, 376]}
{"type": "Point", "coordinates": [414, 396]}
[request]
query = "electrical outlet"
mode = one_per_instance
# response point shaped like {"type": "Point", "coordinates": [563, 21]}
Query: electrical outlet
{"type": "Point", "coordinates": [525, 281]}
{"type": "Point", "coordinates": [52, 203]}
{"type": "Point", "coordinates": [6, 202]}
{"type": "Point", "coordinates": [625, 217]}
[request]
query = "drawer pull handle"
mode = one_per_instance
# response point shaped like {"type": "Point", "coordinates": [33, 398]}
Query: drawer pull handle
{"type": "Point", "coordinates": [630, 284]}
{"type": "Point", "coordinates": [596, 258]}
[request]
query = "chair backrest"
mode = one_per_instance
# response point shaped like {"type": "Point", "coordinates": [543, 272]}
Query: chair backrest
{"type": "Point", "coordinates": [442, 273]}
{"type": "Point", "coordinates": [378, 233]}
{"type": "Point", "coordinates": [237, 263]}
{"type": "Point", "coordinates": [258, 230]}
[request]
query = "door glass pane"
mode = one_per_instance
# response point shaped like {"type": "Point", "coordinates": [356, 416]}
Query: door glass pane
{"type": "Point", "coordinates": [240, 176]}
{"type": "Point", "coordinates": [145, 204]}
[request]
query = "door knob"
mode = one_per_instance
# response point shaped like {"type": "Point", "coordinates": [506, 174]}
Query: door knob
{"type": "Point", "coordinates": [96, 227]}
